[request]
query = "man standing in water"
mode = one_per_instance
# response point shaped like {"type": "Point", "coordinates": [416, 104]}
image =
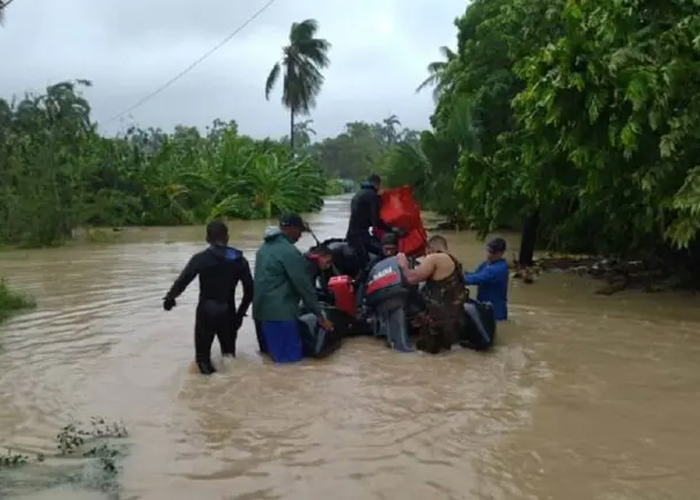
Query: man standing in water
{"type": "Point", "coordinates": [444, 296]}
{"type": "Point", "coordinates": [364, 214]}
{"type": "Point", "coordinates": [219, 268]}
{"type": "Point", "coordinates": [491, 278]}
{"type": "Point", "coordinates": [281, 282]}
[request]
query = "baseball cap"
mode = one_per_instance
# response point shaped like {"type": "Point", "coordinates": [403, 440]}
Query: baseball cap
{"type": "Point", "coordinates": [496, 245]}
{"type": "Point", "coordinates": [390, 239]}
{"type": "Point", "coordinates": [293, 220]}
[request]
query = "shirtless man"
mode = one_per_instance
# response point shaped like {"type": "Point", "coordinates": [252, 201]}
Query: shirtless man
{"type": "Point", "coordinates": [444, 295]}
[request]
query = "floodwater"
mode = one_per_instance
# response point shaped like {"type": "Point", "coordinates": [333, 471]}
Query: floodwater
{"type": "Point", "coordinates": [586, 397]}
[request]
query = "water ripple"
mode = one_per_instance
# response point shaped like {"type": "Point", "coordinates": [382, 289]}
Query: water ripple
{"type": "Point", "coordinates": [518, 423]}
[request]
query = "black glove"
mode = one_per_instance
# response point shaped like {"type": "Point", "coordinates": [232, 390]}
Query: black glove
{"type": "Point", "coordinates": [169, 303]}
{"type": "Point", "coordinates": [237, 322]}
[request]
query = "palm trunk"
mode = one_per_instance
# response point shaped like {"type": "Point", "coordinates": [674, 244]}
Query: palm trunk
{"type": "Point", "coordinates": [291, 130]}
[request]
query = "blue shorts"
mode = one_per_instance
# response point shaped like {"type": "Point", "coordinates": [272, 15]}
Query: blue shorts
{"type": "Point", "coordinates": [283, 341]}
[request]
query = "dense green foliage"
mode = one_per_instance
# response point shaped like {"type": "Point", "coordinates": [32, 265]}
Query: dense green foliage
{"type": "Point", "coordinates": [302, 62]}
{"type": "Point", "coordinates": [585, 112]}
{"type": "Point", "coordinates": [11, 301]}
{"type": "Point", "coordinates": [58, 173]}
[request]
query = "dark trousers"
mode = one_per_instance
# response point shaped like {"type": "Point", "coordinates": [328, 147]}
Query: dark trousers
{"type": "Point", "coordinates": [213, 319]}
{"type": "Point", "coordinates": [363, 244]}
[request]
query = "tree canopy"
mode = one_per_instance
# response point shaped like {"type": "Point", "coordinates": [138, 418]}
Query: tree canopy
{"type": "Point", "coordinates": [57, 173]}
{"type": "Point", "coordinates": [583, 112]}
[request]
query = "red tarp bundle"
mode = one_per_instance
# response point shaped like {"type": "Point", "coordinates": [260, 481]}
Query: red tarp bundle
{"type": "Point", "coordinates": [399, 209]}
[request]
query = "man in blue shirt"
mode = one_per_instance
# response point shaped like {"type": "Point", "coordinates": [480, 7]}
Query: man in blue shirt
{"type": "Point", "coordinates": [491, 278]}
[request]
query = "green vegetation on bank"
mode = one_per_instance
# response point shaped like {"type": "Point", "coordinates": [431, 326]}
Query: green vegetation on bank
{"type": "Point", "coordinates": [11, 302]}
{"type": "Point", "coordinates": [59, 174]}
{"type": "Point", "coordinates": [580, 118]}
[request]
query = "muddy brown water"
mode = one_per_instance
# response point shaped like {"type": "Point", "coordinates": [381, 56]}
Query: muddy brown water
{"type": "Point", "coordinates": [586, 397]}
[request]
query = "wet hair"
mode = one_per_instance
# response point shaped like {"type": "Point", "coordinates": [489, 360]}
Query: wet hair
{"type": "Point", "coordinates": [320, 250]}
{"type": "Point", "coordinates": [217, 231]}
{"type": "Point", "coordinates": [374, 179]}
{"type": "Point", "coordinates": [438, 241]}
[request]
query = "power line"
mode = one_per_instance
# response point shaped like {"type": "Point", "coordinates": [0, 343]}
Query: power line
{"type": "Point", "coordinates": [191, 66]}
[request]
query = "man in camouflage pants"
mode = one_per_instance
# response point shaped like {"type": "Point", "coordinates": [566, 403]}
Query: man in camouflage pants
{"type": "Point", "coordinates": [444, 294]}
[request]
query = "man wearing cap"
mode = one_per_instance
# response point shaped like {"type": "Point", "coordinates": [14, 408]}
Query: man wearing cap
{"type": "Point", "coordinates": [281, 283]}
{"type": "Point", "coordinates": [491, 278]}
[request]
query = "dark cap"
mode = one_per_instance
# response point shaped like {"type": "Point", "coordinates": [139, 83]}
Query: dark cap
{"type": "Point", "coordinates": [374, 179]}
{"type": "Point", "coordinates": [496, 245]}
{"type": "Point", "coordinates": [390, 239]}
{"type": "Point", "coordinates": [293, 220]}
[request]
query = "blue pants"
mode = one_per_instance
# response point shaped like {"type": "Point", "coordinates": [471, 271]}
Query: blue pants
{"type": "Point", "coordinates": [283, 341]}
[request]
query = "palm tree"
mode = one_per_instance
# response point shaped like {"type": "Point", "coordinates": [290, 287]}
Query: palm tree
{"type": "Point", "coordinates": [303, 133]}
{"type": "Point", "coordinates": [436, 70]}
{"type": "Point", "coordinates": [303, 59]}
{"type": "Point", "coordinates": [389, 126]}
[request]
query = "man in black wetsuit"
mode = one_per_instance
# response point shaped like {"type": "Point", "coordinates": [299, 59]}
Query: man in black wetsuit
{"type": "Point", "coordinates": [219, 268]}
{"type": "Point", "coordinates": [364, 214]}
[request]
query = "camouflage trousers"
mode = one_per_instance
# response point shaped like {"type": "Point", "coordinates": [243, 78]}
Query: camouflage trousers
{"type": "Point", "coordinates": [438, 330]}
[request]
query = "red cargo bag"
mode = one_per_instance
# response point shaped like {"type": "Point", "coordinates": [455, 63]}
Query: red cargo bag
{"type": "Point", "coordinates": [399, 209]}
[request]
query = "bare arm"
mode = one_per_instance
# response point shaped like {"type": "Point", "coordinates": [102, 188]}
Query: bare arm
{"type": "Point", "coordinates": [423, 272]}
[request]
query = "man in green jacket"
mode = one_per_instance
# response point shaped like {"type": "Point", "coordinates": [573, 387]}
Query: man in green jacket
{"type": "Point", "coordinates": [281, 283]}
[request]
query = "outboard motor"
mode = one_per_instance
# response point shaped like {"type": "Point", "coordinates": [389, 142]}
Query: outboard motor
{"type": "Point", "coordinates": [479, 330]}
{"type": "Point", "coordinates": [387, 298]}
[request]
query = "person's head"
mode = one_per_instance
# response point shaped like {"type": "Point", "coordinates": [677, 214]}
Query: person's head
{"type": "Point", "coordinates": [375, 181]}
{"type": "Point", "coordinates": [292, 225]}
{"type": "Point", "coordinates": [436, 244]}
{"type": "Point", "coordinates": [322, 255]}
{"type": "Point", "coordinates": [390, 245]}
{"type": "Point", "coordinates": [217, 233]}
{"type": "Point", "coordinates": [495, 249]}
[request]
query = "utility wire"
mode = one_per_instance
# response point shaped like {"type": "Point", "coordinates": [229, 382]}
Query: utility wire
{"type": "Point", "coordinates": [191, 66]}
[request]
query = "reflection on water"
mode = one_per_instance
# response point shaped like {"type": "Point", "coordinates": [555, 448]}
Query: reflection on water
{"type": "Point", "coordinates": [586, 397]}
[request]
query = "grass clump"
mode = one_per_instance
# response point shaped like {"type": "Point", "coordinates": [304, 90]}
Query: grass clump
{"type": "Point", "coordinates": [77, 440]}
{"type": "Point", "coordinates": [11, 301]}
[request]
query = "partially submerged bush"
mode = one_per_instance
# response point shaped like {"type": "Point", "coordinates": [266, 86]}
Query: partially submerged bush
{"type": "Point", "coordinates": [12, 301]}
{"type": "Point", "coordinates": [75, 439]}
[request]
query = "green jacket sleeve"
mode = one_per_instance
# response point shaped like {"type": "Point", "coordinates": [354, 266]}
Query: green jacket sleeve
{"type": "Point", "coordinates": [295, 267]}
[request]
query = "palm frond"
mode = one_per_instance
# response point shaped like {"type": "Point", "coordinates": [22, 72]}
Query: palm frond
{"type": "Point", "coordinates": [272, 79]}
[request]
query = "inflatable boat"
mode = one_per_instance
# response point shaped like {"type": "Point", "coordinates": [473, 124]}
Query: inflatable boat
{"type": "Point", "coordinates": [390, 301]}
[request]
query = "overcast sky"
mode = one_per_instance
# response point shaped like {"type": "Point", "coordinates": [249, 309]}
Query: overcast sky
{"type": "Point", "coordinates": [128, 48]}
